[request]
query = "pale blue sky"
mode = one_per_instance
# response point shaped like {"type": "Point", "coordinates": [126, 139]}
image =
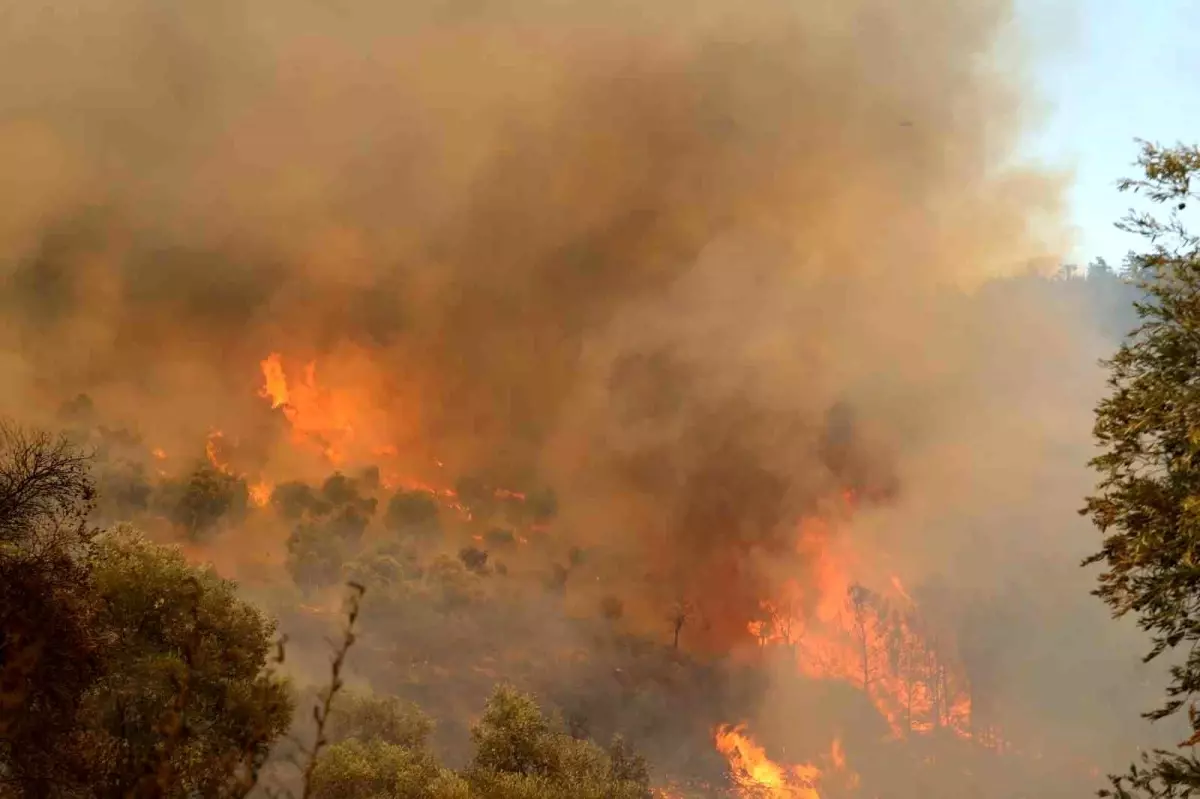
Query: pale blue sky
{"type": "Point", "coordinates": [1126, 69]}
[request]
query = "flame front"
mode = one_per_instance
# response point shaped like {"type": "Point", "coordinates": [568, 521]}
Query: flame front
{"type": "Point", "coordinates": [841, 630]}
{"type": "Point", "coordinates": [316, 416]}
{"type": "Point", "coordinates": [338, 422]}
{"type": "Point", "coordinates": [833, 626]}
{"type": "Point", "coordinates": [757, 776]}
{"type": "Point", "coordinates": [275, 388]}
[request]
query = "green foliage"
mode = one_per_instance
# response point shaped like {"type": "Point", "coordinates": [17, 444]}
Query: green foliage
{"type": "Point", "coordinates": [1147, 503]}
{"type": "Point", "coordinates": [520, 753]}
{"type": "Point", "coordinates": [371, 769]}
{"type": "Point", "coordinates": [51, 650]}
{"type": "Point", "coordinates": [386, 719]}
{"type": "Point", "coordinates": [330, 523]}
{"type": "Point", "coordinates": [513, 736]}
{"type": "Point", "coordinates": [207, 498]}
{"type": "Point", "coordinates": [170, 624]}
{"type": "Point", "coordinates": [123, 670]}
{"type": "Point", "coordinates": [51, 653]}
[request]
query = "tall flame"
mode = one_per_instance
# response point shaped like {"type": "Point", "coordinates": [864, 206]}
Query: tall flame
{"type": "Point", "coordinates": [840, 630]}
{"type": "Point", "coordinates": [333, 421]}
{"type": "Point", "coordinates": [275, 387]}
{"type": "Point", "coordinates": [757, 776]}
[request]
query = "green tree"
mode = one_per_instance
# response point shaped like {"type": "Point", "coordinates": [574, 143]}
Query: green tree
{"type": "Point", "coordinates": [386, 719]}
{"type": "Point", "coordinates": [1147, 503]}
{"type": "Point", "coordinates": [521, 754]}
{"type": "Point", "coordinates": [208, 497]}
{"type": "Point", "coordinates": [123, 670]}
{"type": "Point", "coordinates": [51, 648]}
{"type": "Point", "coordinates": [187, 660]}
{"type": "Point", "coordinates": [376, 769]}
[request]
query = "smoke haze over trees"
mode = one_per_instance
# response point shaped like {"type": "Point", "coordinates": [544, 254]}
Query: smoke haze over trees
{"type": "Point", "coordinates": [688, 366]}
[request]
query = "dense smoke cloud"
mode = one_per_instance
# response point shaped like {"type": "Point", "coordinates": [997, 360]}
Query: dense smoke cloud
{"type": "Point", "coordinates": [701, 267]}
{"type": "Point", "coordinates": [623, 246]}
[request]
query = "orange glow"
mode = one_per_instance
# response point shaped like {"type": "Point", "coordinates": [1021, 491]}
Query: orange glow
{"type": "Point", "coordinates": [214, 450]}
{"type": "Point", "coordinates": [346, 419]}
{"type": "Point", "coordinates": [756, 775]}
{"type": "Point", "coordinates": [260, 493]}
{"type": "Point", "coordinates": [837, 628]}
{"type": "Point", "coordinates": [504, 493]}
{"type": "Point", "coordinates": [159, 454]}
{"type": "Point", "coordinates": [840, 630]}
{"type": "Point", "coordinates": [318, 417]}
{"type": "Point", "coordinates": [837, 755]}
{"type": "Point", "coordinates": [275, 385]}
{"type": "Point", "coordinates": [342, 422]}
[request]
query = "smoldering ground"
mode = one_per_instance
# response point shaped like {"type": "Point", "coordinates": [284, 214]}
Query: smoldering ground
{"type": "Point", "coordinates": [700, 267]}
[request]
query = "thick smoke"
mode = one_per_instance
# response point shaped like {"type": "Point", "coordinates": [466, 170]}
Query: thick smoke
{"type": "Point", "coordinates": [701, 267]}
{"type": "Point", "coordinates": [645, 252]}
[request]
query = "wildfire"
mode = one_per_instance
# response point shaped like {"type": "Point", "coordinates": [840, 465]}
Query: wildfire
{"type": "Point", "coordinates": [841, 630]}
{"type": "Point", "coordinates": [215, 449]}
{"type": "Point", "coordinates": [834, 627]}
{"type": "Point", "coordinates": [214, 446]}
{"type": "Point", "coordinates": [330, 420]}
{"type": "Point", "coordinates": [275, 388]}
{"type": "Point", "coordinates": [260, 493]}
{"type": "Point", "coordinates": [756, 775]}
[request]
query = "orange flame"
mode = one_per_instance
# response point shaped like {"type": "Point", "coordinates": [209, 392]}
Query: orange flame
{"type": "Point", "coordinates": [213, 450]}
{"type": "Point", "coordinates": [275, 387]}
{"type": "Point", "coordinates": [331, 421]}
{"type": "Point", "coordinates": [839, 630]}
{"type": "Point", "coordinates": [260, 493]}
{"type": "Point", "coordinates": [756, 775]}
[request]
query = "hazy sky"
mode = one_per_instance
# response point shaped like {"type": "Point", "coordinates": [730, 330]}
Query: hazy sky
{"type": "Point", "coordinates": [1125, 69]}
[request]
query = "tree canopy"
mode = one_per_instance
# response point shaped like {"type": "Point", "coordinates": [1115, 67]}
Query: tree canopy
{"type": "Point", "coordinates": [520, 753]}
{"type": "Point", "coordinates": [1147, 503]}
{"type": "Point", "coordinates": [124, 670]}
